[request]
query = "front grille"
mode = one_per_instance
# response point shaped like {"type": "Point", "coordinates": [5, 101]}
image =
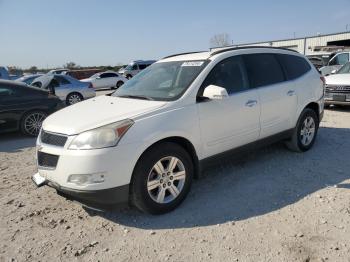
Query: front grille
{"type": "Point", "coordinates": [53, 139]}
{"type": "Point", "coordinates": [337, 89]}
{"type": "Point", "coordinates": [47, 160]}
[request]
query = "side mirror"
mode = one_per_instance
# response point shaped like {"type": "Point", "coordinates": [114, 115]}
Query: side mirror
{"type": "Point", "coordinates": [215, 92]}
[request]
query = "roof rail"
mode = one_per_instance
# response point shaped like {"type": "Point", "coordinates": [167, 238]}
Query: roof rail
{"type": "Point", "coordinates": [188, 53]}
{"type": "Point", "coordinates": [248, 47]}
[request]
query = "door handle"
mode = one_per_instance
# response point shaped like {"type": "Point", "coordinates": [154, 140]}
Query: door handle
{"type": "Point", "coordinates": [251, 103]}
{"type": "Point", "coordinates": [291, 93]}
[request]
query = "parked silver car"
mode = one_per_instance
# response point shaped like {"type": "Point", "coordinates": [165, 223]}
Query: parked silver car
{"type": "Point", "coordinates": [28, 79]}
{"type": "Point", "coordinates": [135, 67]}
{"type": "Point", "coordinates": [67, 88]}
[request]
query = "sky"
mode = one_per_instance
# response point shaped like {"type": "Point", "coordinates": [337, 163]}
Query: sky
{"type": "Point", "coordinates": [48, 33]}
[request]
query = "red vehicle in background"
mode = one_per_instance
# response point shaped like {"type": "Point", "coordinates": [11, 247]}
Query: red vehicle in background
{"type": "Point", "coordinates": [82, 73]}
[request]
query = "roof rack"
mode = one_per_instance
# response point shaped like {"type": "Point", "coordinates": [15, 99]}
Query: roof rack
{"type": "Point", "coordinates": [188, 53]}
{"type": "Point", "coordinates": [248, 47]}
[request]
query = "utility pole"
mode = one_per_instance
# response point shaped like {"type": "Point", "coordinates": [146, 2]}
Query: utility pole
{"type": "Point", "coordinates": [347, 25]}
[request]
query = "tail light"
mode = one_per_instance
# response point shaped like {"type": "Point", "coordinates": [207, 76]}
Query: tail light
{"type": "Point", "coordinates": [90, 85]}
{"type": "Point", "coordinates": [323, 80]}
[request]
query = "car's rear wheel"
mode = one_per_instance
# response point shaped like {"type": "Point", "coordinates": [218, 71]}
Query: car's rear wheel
{"type": "Point", "coordinates": [162, 178]}
{"type": "Point", "coordinates": [129, 76]}
{"type": "Point", "coordinates": [305, 132]}
{"type": "Point", "coordinates": [31, 122]}
{"type": "Point", "coordinates": [119, 84]}
{"type": "Point", "coordinates": [74, 98]}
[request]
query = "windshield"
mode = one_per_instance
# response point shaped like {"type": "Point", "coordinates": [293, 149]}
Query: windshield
{"type": "Point", "coordinates": [162, 81]}
{"type": "Point", "coordinates": [95, 75]}
{"type": "Point", "coordinates": [345, 69]}
{"type": "Point", "coordinates": [129, 67]}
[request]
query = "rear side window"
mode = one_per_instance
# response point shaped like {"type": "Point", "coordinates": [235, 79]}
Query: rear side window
{"type": "Point", "coordinates": [106, 75]}
{"type": "Point", "coordinates": [229, 74]}
{"type": "Point", "coordinates": [295, 66]}
{"type": "Point", "coordinates": [13, 90]}
{"type": "Point", "coordinates": [5, 91]}
{"type": "Point", "coordinates": [61, 80]}
{"type": "Point", "coordinates": [142, 66]}
{"type": "Point", "coordinates": [263, 70]}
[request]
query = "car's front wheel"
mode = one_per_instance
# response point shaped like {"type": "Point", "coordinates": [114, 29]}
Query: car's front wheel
{"type": "Point", "coordinates": [162, 178]}
{"type": "Point", "coordinates": [305, 132]}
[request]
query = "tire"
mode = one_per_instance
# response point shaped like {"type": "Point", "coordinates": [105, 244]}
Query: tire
{"type": "Point", "coordinates": [119, 84]}
{"type": "Point", "coordinates": [31, 122]}
{"type": "Point", "coordinates": [129, 76]}
{"type": "Point", "coordinates": [303, 137]}
{"type": "Point", "coordinates": [74, 98]}
{"type": "Point", "coordinates": [170, 191]}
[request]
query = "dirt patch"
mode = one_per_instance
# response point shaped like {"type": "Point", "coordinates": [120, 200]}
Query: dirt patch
{"type": "Point", "coordinates": [273, 205]}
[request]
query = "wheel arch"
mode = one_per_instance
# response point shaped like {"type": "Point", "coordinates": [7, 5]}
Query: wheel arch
{"type": "Point", "coordinates": [25, 113]}
{"type": "Point", "coordinates": [184, 143]}
{"type": "Point", "coordinates": [73, 92]}
{"type": "Point", "coordinates": [315, 107]}
{"type": "Point", "coordinates": [46, 111]}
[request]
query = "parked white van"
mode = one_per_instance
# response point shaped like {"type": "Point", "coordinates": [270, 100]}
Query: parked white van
{"type": "Point", "coordinates": [335, 63]}
{"type": "Point", "coordinates": [147, 141]}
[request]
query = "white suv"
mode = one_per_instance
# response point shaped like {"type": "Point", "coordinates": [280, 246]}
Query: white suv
{"type": "Point", "coordinates": [149, 139]}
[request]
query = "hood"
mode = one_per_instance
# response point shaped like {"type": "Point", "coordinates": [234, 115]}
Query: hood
{"type": "Point", "coordinates": [97, 112]}
{"type": "Point", "coordinates": [338, 79]}
{"type": "Point", "coordinates": [44, 80]}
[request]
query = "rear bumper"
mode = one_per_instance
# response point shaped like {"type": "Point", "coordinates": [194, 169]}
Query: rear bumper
{"type": "Point", "coordinates": [90, 93]}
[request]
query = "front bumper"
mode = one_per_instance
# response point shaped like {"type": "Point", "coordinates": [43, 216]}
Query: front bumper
{"type": "Point", "coordinates": [56, 163]}
{"type": "Point", "coordinates": [337, 98]}
{"type": "Point", "coordinates": [334, 102]}
{"type": "Point", "coordinates": [92, 198]}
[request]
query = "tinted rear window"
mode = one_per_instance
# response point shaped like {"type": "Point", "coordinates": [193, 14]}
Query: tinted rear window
{"type": "Point", "coordinates": [295, 66]}
{"type": "Point", "coordinates": [263, 69]}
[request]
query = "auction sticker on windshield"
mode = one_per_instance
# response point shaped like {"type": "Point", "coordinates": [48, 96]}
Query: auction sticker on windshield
{"type": "Point", "coordinates": [193, 63]}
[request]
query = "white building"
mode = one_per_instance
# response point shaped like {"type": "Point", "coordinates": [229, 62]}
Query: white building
{"type": "Point", "coordinates": [310, 45]}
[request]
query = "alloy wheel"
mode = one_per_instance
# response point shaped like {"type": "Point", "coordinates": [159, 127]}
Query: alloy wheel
{"type": "Point", "coordinates": [74, 98]}
{"type": "Point", "coordinates": [307, 132]}
{"type": "Point", "coordinates": [33, 122]}
{"type": "Point", "coordinates": [166, 180]}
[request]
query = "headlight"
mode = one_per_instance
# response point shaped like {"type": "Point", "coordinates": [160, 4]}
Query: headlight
{"type": "Point", "coordinates": [105, 136]}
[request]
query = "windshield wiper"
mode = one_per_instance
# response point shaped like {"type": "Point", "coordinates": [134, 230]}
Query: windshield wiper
{"type": "Point", "coordinates": [136, 97]}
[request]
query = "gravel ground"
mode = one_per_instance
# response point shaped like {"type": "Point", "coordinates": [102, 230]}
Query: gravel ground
{"type": "Point", "coordinates": [273, 205]}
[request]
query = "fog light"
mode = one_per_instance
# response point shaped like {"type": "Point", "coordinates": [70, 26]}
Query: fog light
{"type": "Point", "coordinates": [86, 179]}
